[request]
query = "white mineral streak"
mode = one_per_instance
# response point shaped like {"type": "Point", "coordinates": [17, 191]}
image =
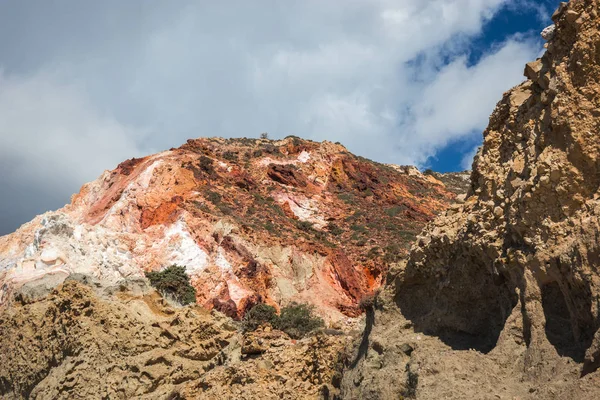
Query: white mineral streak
{"type": "Point", "coordinates": [236, 291]}
{"type": "Point", "coordinates": [183, 250]}
{"type": "Point", "coordinates": [146, 177]}
{"type": "Point", "coordinates": [222, 263]}
{"type": "Point", "coordinates": [304, 156]}
{"type": "Point", "coordinates": [303, 208]}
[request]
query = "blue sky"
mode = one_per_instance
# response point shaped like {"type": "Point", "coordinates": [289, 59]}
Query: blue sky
{"type": "Point", "coordinates": [87, 84]}
{"type": "Point", "coordinates": [506, 23]}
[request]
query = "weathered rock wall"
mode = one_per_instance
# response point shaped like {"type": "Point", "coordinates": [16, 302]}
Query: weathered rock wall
{"type": "Point", "coordinates": [524, 245]}
{"type": "Point", "coordinates": [85, 340]}
{"type": "Point", "coordinates": [508, 282]}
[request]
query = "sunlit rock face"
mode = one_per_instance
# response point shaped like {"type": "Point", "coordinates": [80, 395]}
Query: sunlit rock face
{"type": "Point", "coordinates": [507, 283]}
{"type": "Point", "coordinates": [251, 220]}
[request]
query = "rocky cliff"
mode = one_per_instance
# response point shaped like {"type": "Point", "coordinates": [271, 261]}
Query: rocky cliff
{"type": "Point", "coordinates": [500, 296]}
{"type": "Point", "coordinates": [251, 220]}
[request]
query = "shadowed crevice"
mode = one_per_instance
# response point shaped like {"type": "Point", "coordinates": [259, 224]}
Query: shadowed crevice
{"type": "Point", "coordinates": [571, 334]}
{"type": "Point", "coordinates": [363, 348]}
{"type": "Point", "coordinates": [466, 307]}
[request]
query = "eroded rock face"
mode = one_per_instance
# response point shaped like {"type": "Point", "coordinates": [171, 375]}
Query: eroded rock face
{"type": "Point", "coordinates": [514, 270]}
{"type": "Point", "coordinates": [524, 243]}
{"type": "Point", "coordinates": [251, 220]}
{"type": "Point", "coordinates": [86, 340]}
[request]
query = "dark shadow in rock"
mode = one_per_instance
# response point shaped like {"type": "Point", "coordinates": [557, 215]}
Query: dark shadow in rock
{"type": "Point", "coordinates": [466, 341]}
{"type": "Point", "coordinates": [364, 343]}
{"type": "Point", "coordinates": [570, 336]}
{"type": "Point", "coordinates": [466, 306]}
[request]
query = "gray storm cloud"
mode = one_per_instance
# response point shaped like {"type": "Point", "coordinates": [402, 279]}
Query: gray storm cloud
{"type": "Point", "coordinates": [87, 84]}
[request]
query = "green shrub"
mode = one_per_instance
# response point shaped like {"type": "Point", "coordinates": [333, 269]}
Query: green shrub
{"type": "Point", "coordinates": [258, 315]}
{"type": "Point", "coordinates": [347, 198]}
{"type": "Point", "coordinates": [334, 229]}
{"type": "Point", "coordinates": [394, 211]}
{"type": "Point", "coordinates": [213, 197]}
{"type": "Point", "coordinates": [359, 228]}
{"type": "Point", "coordinates": [270, 227]}
{"type": "Point", "coordinates": [271, 149]}
{"type": "Point", "coordinates": [230, 155]}
{"type": "Point", "coordinates": [173, 282]}
{"type": "Point", "coordinates": [225, 209]}
{"type": "Point", "coordinates": [298, 319]}
{"type": "Point", "coordinates": [304, 226]}
{"type": "Point", "coordinates": [206, 164]}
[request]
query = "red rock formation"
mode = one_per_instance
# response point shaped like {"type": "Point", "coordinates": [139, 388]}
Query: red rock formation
{"type": "Point", "coordinates": [252, 221]}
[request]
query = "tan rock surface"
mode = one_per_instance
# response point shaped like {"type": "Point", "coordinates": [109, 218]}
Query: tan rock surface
{"type": "Point", "coordinates": [500, 296]}
{"type": "Point", "coordinates": [84, 340]}
{"type": "Point", "coordinates": [92, 342]}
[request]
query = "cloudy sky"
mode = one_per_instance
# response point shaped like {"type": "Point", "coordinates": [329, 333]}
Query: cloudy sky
{"type": "Point", "coordinates": [85, 84]}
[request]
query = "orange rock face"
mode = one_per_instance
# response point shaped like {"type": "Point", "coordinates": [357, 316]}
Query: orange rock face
{"type": "Point", "coordinates": [251, 220]}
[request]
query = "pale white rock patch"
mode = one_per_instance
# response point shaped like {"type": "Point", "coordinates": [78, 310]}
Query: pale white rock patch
{"type": "Point", "coordinates": [183, 249]}
{"type": "Point", "coordinates": [304, 156]}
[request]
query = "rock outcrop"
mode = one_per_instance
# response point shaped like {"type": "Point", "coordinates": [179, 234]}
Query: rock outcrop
{"type": "Point", "coordinates": [85, 340]}
{"type": "Point", "coordinates": [251, 220]}
{"type": "Point", "coordinates": [500, 296]}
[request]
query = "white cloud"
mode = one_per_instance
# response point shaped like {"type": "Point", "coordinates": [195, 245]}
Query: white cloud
{"type": "Point", "coordinates": [460, 98]}
{"type": "Point", "coordinates": [467, 160]}
{"type": "Point", "coordinates": [372, 74]}
{"type": "Point", "coordinates": [52, 141]}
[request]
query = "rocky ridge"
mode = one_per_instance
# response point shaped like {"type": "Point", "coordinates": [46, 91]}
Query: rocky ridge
{"type": "Point", "coordinates": [251, 220]}
{"type": "Point", "coordinates": [499, 297]}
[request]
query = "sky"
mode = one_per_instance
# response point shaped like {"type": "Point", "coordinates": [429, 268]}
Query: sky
{"type": "Point", "coordinates": [86, 84]}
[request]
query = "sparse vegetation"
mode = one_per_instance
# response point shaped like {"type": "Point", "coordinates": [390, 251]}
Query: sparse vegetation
{"type": "Point", "coordinates": [259, 315]}
{"type": "Point", "coordinates": [271, 149]}
{"type": "Point", "coordinates": [373, 252]}
{"type": "Point", "coordinates": [264, 135]}
{"type": "Point", "coordinates": [295, 140]}
{"type": "Point", "coordinates": [347, 198]}
{"type": "Point", "coordinates": [367, 192]}
{"type": "Point", "coordinates": [213, 197]}
{"type": "Point", "coordinates": [270, 227]}
{"type": "Point", "coordinates": [230, 156]}
{"type": "Point", "coordinates": [225, 209]}
{"type": "Point", "coordinates": [206, 165]}
{"type": "Point", "coordinates": [334, 229]}
{"type": "Point", "coordinates": [392, 253]}
{"type": "Point", "coordinates": [296, 319]}
{"type": "Point", "coordinates": [359, 228]}
{"type": "Point", "coordinates": [304, 226]}
{"type": "Point", "coordinates": [173, 282]}
{"type": "Point", "coordinates": [394, 211]}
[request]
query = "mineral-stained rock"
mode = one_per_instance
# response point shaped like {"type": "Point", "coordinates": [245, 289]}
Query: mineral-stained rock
{"type": "Point", "coordinates": [500, 295]}
{"type": "Point", "coordinates": [251, 220]}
